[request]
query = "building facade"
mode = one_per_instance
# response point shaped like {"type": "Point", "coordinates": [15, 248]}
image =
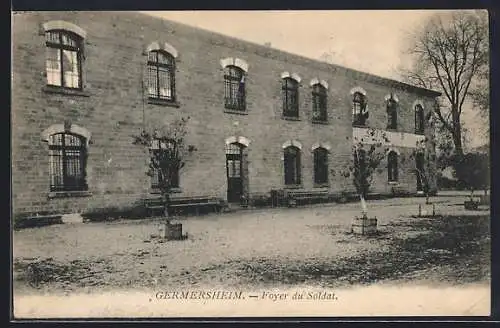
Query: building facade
{"type": "Point", "coordinates": [84, 83]}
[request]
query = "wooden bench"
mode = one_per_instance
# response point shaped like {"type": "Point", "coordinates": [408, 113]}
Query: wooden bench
{"type": "Point", "coordinates": [154, 205]}
{"type": "Point", "coordinates": [177, 204]}
{"type": "Point", "coordinates": [399, 191]}
{"type": "Point", "coordinates": [301, 197]}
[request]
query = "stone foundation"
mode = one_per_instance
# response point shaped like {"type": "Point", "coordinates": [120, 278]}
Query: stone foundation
{"type": "Point", "coordinates": [364, 226]}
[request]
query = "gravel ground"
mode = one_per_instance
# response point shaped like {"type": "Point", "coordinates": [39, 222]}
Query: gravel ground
{"type": "Point", "coordinates": [260, 248]}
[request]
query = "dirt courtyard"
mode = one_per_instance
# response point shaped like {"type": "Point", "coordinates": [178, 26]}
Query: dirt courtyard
{"type": "Point", "coordinates": [278, 248]}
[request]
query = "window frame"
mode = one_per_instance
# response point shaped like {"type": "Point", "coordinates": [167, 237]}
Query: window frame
{"type": "Point", "coordinates": [154, 67]}
{"type": "Point", "coordinates": [392, 167]}
{"type": "Point", "coordinates": [320, 158]}
{"type": "Point", "coordinates": [65, 158]}
{"type": "Point", "coordinates": [319, 103]}
{"type": "Point", "coordinates": [234, 102]}
{"type": "Point", "coordinates": [419, 119]}
{"type": "Point", "coordinates": [358, 112]}
{"type": "Point", "coordinates": [61, 47]}
{"type": "Point", "coordinates": [296, 175]}
{"type": "Point", "coordinates": [392, 114]}
{"type": "Point", "coordinates": [290, 90]}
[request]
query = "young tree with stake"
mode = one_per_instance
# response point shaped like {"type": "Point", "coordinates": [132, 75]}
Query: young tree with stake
{"type": "Point", "coordinates": [167, 153]}
{"type": "Point", "coordinates": [368, 153]}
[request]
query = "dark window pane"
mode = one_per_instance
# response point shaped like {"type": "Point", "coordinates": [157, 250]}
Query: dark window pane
{"type": "Point", "coordinates": [392, 118]}
{"type": "Point", "coordinates": [67, 162]}
{"type": "Point", "coordinates": [290, 98]}
{"type": "Point", "coordinates": [319, 103]}
{"type": "Point", "coordinates": [63, 59]}
{"type": "Point", "coordinates": [359, 109]}
{"type": "Point", "coordinates": [292, 166]}
{"type": "Point", "coordinates": [320, 166]}
{"type": "Point", "coordinates": [392, 166]}
{"type": "Point", "coordinates": [234, 88]}
{"type": "Point", "coordinates": [419, 119]}
{"type": "Point", "coordinates": [161, 75]}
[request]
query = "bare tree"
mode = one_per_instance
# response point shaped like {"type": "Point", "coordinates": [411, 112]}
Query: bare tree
{"type": "Point", "coordinates": [167, 154]}
{"type": "Point", "coordinates": [450, 53]}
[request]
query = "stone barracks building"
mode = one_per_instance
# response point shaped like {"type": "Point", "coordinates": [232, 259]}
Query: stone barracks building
{"type": "Point", "coordinates": [261, 119]}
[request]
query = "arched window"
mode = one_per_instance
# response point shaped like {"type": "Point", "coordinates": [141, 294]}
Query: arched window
{"type": "Point", "coordinates": [234, 88]}
{"type": "Point", "coordinates": [392, 166]}
{"type": "Point", "coordinates": [319, 98]}
{"type": "Point", "coordinates": [320, 165]}
{"type": "Point", "coordinates": [164, 155]}
{"type": "Point", "coordinates": [63, 59]}
{"type": "Point", "coordinates": [161, 75]}
{"type": "Point", "coordinates": [419, 119]}
{"type": "Point", "coordinates": [359, 112]}
{"type": "Point", "coordinates": [392, 113]}
{"type": "Point", "coordinates": [290, 91]}
{"type": "Point", "coordinates": [292, 165]}
{"type": "Point", "coordinates": [67, 158]}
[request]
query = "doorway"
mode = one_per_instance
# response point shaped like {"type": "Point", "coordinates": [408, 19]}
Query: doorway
{"type": "Point", "coordinates": [234, 170]}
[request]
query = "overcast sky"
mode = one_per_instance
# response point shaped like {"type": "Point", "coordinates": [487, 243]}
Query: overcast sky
{"type": "Point", "coordinates": [367, 40]}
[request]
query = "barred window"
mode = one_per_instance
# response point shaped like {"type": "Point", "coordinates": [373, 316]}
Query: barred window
{"type": "Point", "coordinates": [63, 59]}
{"type": "Point", "coordinates": [392, 166]}
{"type": "Point", "coordinates": [292, 165]}
{"type": "Point", "coordinates": [67, 157]}
{"type": "Point", "coordinates": [164, 150]}
{"type": "Point", "coordinates": [359, 112]}
{"type": "Point", "coordinates": [290, 89]}
{"type": "Point", "coordinates": [319, 103]}
{"type": "Point", "coordinates": [320, 166]}
{"type": "Point", "coordinates": [392, 114]}
{"type": "Point", "coordinates": [161, 75]}
{"type": "Point", "coordinates": [419, 119]}
{"type": "Point", "coordinates": [234, 88]}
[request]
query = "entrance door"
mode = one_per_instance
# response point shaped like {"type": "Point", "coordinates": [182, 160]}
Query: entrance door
{"type": "Point", "coordinates": [419, 163]}
{"type": "Point", "coordinates": [234, 172]}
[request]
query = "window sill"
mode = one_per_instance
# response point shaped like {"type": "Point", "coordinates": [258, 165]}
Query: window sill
{"type": "Point", "coordinates": [321, 185]}
{"type": "Point", "coordinates": [163, 102]}
{"type": "Point", "coordinates": [65, 91]}
{"type": "Point", "coordinates": [354, 125]}
{"type": "Point", "coordinates": [324, 122]}
{"type": "Point", "coordinates": [235, 111]}
{"type": "Point", "coordinates": [393, 183]}
{"type": "Point", "coordinates": [297, 186]}
{"type": "Point", "coordinates": [158, 192]}
{"type": "Point", "coordinates": [68, 194]}
{"type": "Point", "coordinates": [419, 133]}
{"type": "Point", "coordinates": [290, 118]}
{"type": "Point", "coordinates": [391, 129]}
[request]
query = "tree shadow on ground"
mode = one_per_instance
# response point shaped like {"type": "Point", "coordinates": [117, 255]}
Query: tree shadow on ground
{"type": "Point", "coordinates": [448, 248]}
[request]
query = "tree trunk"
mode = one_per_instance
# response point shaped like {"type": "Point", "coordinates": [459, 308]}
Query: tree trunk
{"type": "Point", "coordinates": [166, 202]}
{"type": "Point", "coordinates": [363, 205]}
{"type": "Point", "coordinates": [457, 133]}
